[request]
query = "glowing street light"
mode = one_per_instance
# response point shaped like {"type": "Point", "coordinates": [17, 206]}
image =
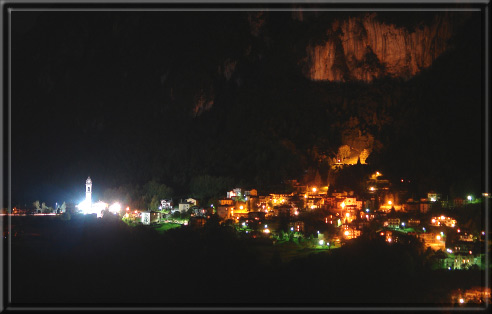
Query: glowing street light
{"type": "Point", "coordinates": [469, 197]}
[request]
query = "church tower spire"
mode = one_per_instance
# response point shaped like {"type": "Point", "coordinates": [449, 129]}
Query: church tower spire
{"type": "Point", "coordinates": [88, 190]}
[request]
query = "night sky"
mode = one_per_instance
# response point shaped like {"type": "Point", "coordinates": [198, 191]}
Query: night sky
{"type": "Point", "coordinates": [112, 95]}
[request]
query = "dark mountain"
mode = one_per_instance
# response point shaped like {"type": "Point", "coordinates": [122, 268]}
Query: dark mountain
{"type": "Point", "coordinates": [258, 97]}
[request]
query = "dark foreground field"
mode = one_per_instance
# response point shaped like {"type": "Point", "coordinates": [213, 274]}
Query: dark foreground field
{"type": "Point", "coordinates": [108, 262]}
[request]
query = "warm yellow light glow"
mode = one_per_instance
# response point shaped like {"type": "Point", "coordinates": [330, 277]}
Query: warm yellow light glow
{"type": "Point", "coordinates": [346, 233]}
{"type": "Point", "coordinates": [371, 188]}
{"type": "Point", "coordinates": [128, 208]}
{"type": "Point", "coordinates": [390, 202]}
{"type": "Point", "coordinates": [461, 300]}
{"type": "Point", "coordinates": [266, 231]}
{"type": "Point", "coordinates": [347, 215]}
{"type": "Point", "coordinates": [377, 173]}
{"type": "Point", "coordinates": [305, 196]}
{"type": "Point", "coordinates": [313, 207]}
{"type": "Point", "coordinates": [389, 239]}
{"type": "Point", "coordinates": [343, 205]}
{"type": "Point", "coordinates": [241, 207]}
{"type": "Point", "coordinates": [314, 189]}
{"type": "Point", "coordinates": [438, 237]}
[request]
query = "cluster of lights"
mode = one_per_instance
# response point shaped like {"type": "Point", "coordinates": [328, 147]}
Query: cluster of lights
{"type": "Point", "coordinates": [448, 221]}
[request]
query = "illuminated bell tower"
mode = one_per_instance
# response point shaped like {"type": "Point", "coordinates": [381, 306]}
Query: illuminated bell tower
{"type": "Point", "coordinates": [88, 190]}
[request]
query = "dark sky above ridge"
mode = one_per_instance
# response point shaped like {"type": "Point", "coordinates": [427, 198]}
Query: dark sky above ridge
{"type": "Point", "coordinates": [95, 93]}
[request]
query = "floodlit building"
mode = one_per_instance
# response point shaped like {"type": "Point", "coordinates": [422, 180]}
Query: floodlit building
{"type": "Point", "coordinates": [88, 190]}
{"type": "Point", "coordinates": [86, 206]}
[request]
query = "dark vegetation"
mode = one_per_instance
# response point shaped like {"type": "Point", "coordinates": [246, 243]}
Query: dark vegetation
{"type": "Point", "coordinates": [105, 262]}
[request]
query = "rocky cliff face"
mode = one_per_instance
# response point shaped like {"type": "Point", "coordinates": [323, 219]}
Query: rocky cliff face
{"type": "Point", "coordinates": [364, 48]}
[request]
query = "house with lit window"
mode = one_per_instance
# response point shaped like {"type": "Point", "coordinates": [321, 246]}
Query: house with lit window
{"type": "Point", "coordinates": [349, 232]}
{"type": "Point", "coordinates": [166, 204]}
{"type": "Point", "coordinates": [297, 226]}
{"type": "Point", "coordinates": [433, 196]}
{"type": "Point", "coordinates": [184, 206]}
{"type": "Point", "coordinates": [152, 217]}
{"type": "Point", "coordinates": [463, 261]}
{"type": "Point", "coordinates": [282, 210]}
{"type": "Point", "coordinates": [433, 240]}
{"type": "Point", "coordinates": [226, 202]}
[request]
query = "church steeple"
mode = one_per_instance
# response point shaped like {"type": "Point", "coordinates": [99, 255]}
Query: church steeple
{"type": "Point", "coordinates": [88, 190]}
